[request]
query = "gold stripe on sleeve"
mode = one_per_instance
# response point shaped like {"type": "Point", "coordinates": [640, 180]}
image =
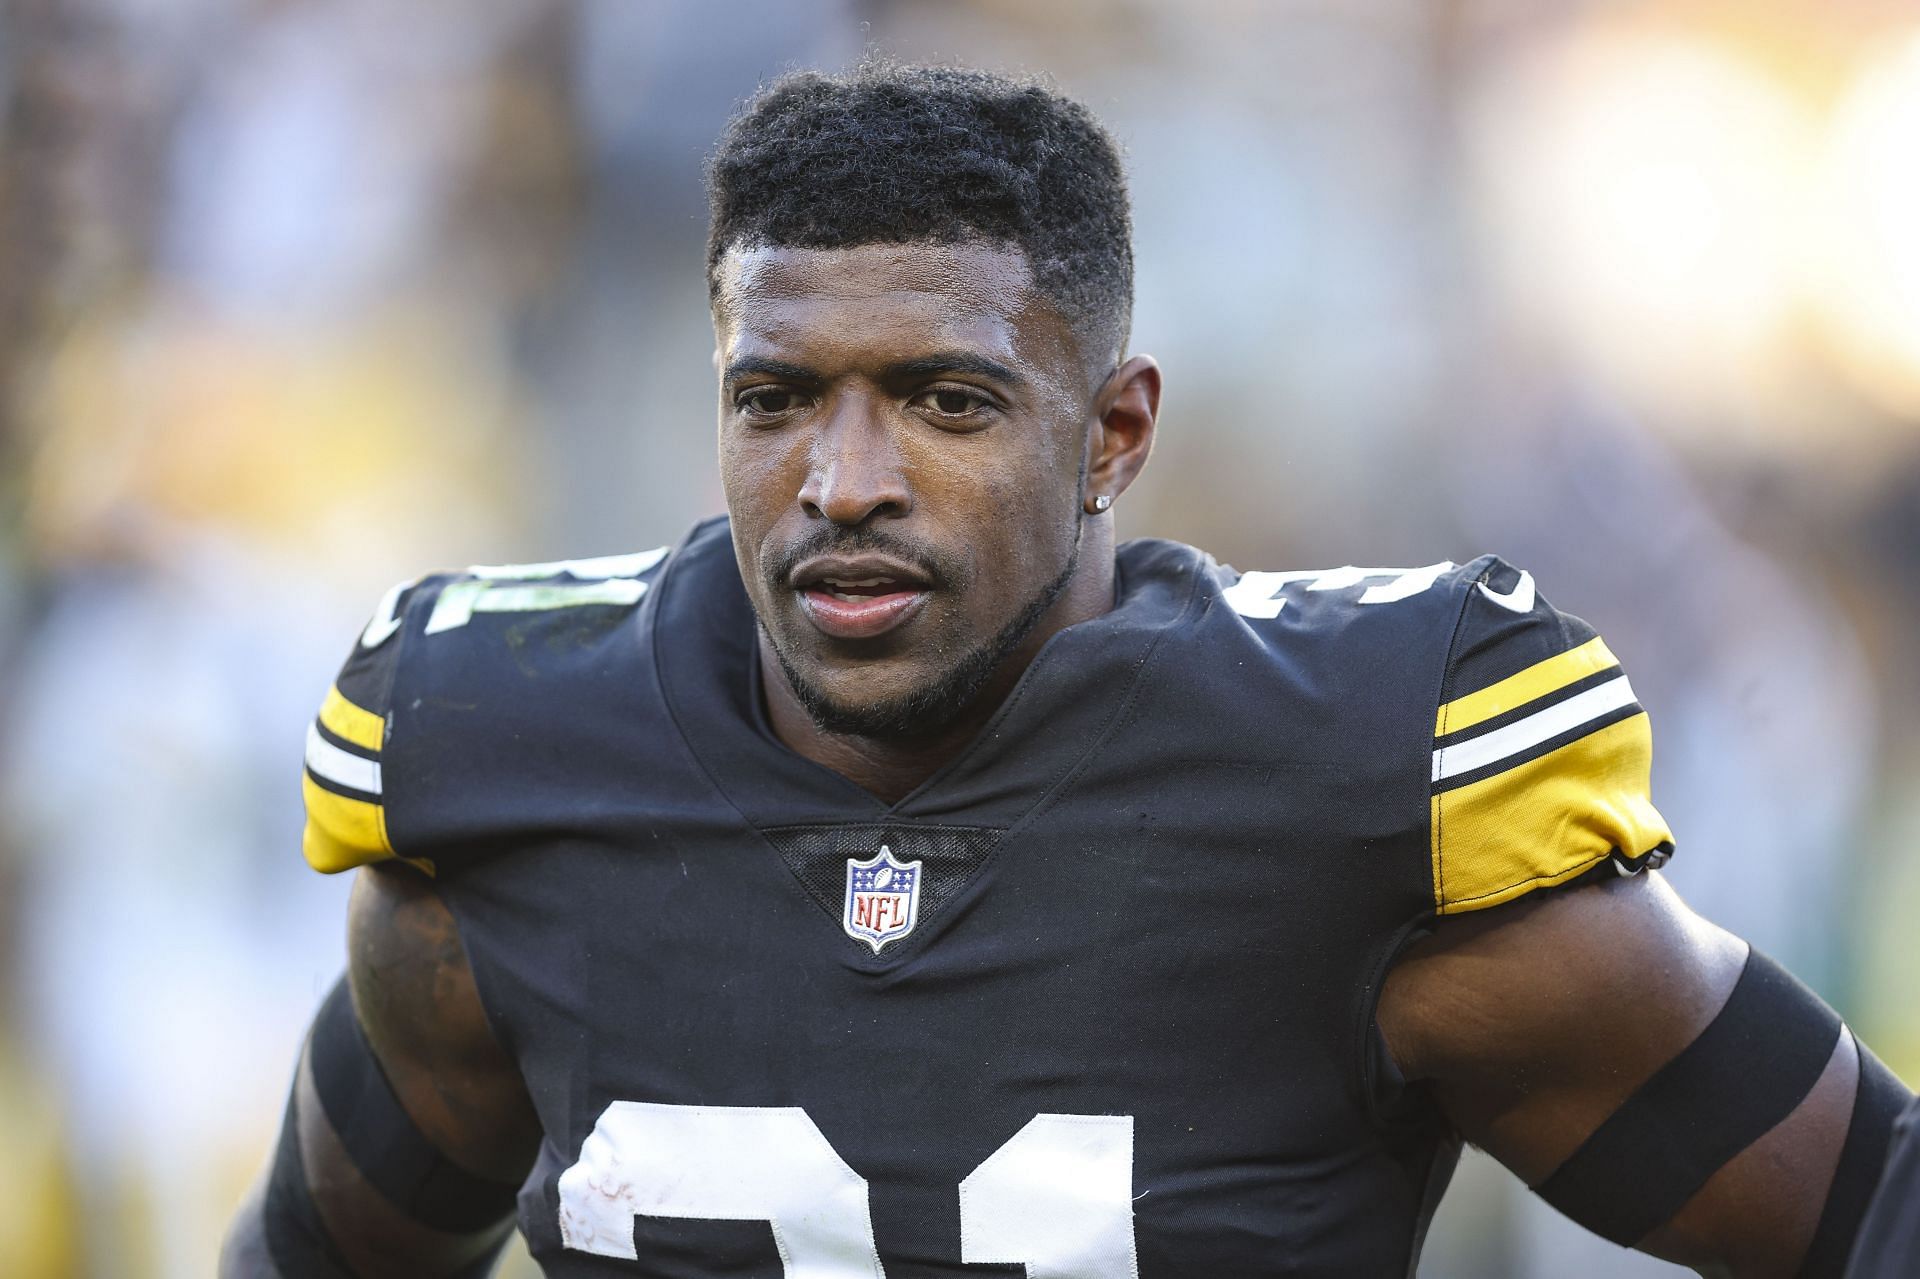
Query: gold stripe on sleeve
{"type": "Point", "coordinates": [1517, 690]}
{"type": "Point", "coordinates": [1546, 820]}
{"type": "Point", "coordinates": [342, 833]}
{"type": "Point", "coordinates": [351, 723]}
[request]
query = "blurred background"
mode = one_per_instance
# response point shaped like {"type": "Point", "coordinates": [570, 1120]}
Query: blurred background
{"type": "Point", "coordinates": [302, 297]}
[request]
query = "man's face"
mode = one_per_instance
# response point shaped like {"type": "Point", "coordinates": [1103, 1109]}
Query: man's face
{"type": "Point", "coordinates": [902, 434]}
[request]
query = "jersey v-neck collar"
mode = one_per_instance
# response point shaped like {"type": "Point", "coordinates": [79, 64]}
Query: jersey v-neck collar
{"type": "Point", "coordinates": [1068, 701]}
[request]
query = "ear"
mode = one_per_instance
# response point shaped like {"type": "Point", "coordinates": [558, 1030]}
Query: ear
{"type": "Point", "coordinates": [1125, 409]}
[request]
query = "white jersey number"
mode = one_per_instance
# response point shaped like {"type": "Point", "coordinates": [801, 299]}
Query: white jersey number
{"type": "Point", "coordinates": [1057, 1197]}
{"type": "Point", "coordinates": [519, 588]}
{"type": "Point", "coordinates": [516, 588]}
{"type": "Point", "coordinates": [1257, 594]}
{"type": "Point", "coordinates": [729, 1163]}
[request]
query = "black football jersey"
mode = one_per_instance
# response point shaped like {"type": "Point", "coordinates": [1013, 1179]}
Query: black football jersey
{"type": "Point", "coordinates": [1095, 1001]}
{"type": "Point", "coordinates": [1888, 1246]}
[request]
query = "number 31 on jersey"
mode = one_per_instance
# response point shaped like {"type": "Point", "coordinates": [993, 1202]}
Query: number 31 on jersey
{"type": "Point", "coordinates": [1056, 1198]}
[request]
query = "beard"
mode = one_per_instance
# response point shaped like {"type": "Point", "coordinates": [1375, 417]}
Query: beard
{"type": "Point", "coordinates": [926, 711]}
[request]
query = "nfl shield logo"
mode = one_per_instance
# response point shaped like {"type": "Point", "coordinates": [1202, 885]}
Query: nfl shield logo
{"type": "Point", "coordinates": [883, 899]}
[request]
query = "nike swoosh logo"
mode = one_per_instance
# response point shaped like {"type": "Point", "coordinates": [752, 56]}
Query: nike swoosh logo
{"type": "Point", "coordinates": [1517, 600]}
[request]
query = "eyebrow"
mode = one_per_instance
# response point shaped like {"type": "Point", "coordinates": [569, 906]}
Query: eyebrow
{"type": "Point", "coordinates": [900, 371]}
{"type": "Point", "coordinates": [953, 362]}
{"type": "Point", "coordinates": [751, 364]}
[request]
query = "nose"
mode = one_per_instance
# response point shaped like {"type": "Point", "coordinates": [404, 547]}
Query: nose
{"type": "Point", "coordinates": [856, 472]}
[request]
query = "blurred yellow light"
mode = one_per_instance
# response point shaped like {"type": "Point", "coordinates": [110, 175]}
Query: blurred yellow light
{"type": "Point", "coordinates": [1645, 192]}
{"type": "Point", "coordinates": [1867, 281]}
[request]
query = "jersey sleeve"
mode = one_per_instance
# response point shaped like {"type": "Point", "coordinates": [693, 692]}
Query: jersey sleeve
{"type": "Point", "coordinates": [446, 639]}
{"type": "Point", "coordinates": [343, 785]}
{"type": "Point", "coordinates": [1541, 754]}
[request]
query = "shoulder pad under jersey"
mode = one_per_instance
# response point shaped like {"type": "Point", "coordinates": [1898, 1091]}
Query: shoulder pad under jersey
{"type": "Point", "coordinates": [1541, 754]}
{"type": "Point", "coordinates": [345, 787]}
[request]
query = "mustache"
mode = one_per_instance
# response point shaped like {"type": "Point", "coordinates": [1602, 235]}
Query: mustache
{"type": "Point", "coordinates": [940, 569]}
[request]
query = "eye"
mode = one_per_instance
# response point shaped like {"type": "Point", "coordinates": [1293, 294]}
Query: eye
{"type": "Point", "coordinates": [768, 401]}
{"type": "Point", "coordinates": [954, 402]}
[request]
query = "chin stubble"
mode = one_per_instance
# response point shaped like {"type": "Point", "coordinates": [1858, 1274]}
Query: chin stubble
{"type": "Point", "coordinates": [925, 711]}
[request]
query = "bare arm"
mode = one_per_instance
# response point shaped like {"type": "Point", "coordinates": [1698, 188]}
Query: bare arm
{"type": "Point", "coordinates": [1535, 1021]}
{"type": "Point", "coordinates": [414, 993]}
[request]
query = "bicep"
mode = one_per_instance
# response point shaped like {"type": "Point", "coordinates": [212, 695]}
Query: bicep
{"type": "Point", "coordinates": [383, 1192]}
{"type": "Point", "coordinates": [1536, 1024]}
{"type": "Point", "coordinates": [418, 1004]}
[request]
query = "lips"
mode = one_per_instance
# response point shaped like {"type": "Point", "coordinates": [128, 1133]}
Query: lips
{"type": "Point", "coordinates": [859, 598]}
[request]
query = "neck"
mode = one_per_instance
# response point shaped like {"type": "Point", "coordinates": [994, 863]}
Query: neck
{"type": "Point", "coordinates": [892, 768]}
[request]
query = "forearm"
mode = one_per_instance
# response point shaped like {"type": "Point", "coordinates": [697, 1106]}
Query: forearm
{"type": "Point", "coordinates": [278, 1232]}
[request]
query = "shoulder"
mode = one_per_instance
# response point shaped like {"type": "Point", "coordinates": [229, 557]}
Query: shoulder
{"type": "Point", "coordinates": [1536, 752]}
{"type": "Point", "coordinates": [1363, 634]}
{"type": "Point", "coordinates": [1542, 754]}
{"type": "Point", "coordinates": [504, 639]}
{"type": "Point", "coordinates": [1479, 623]}
{"type": "Point", "coordinates": [1338, 599]}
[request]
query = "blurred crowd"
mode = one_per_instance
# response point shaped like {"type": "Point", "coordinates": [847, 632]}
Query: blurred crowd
{"type": "Point", "coordinates": [299, 298]}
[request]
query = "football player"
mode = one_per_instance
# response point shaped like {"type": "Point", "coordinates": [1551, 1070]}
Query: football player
{"type": "Point", "coordinates": [897, 878]}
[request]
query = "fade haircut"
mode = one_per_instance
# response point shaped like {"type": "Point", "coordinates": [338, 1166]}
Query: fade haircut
{"type": "Point", "coordinates": [893, 154]}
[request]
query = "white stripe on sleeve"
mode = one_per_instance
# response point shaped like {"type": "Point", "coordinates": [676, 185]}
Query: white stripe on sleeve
{"type": "Point", "coordinates": [341, 767]}
{"type": "Point", "coordinates": [1525, 734]}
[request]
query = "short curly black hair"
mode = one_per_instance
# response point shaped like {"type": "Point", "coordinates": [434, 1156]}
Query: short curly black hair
{"type": "Point", "coordinates": [892, 154]}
